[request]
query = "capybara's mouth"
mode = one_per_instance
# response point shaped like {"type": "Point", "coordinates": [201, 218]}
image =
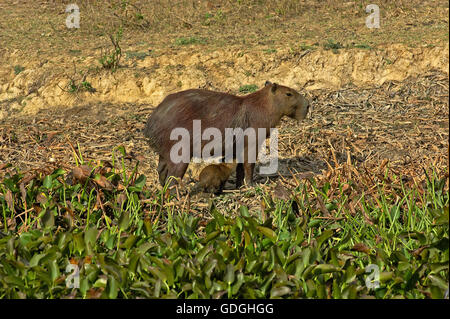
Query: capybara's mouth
{"type": "Point", "coordinates": [301, 111]}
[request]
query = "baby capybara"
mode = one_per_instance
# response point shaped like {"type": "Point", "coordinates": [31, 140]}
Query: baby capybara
{"type": "Point", "coordinates": [261, 109]}
{"type": "Point", "coordinates": [214, 176]}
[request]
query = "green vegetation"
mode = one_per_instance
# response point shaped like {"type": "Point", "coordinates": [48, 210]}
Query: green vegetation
{"type": "Point", "coordinates": [332, 45]}
{"type": "Point", "coordinates": [248, 88]}
{"type": "Point", "coordinates": [211, 18]}
{"type": "Point", "coordinates": [128, 241]}
{"type": "Point", "coordinates": [84, 86]}
{"type": "Point", "coordinates": [190, 40]}
{"type": "Point", "coordinates": [110, 58]}
{"type": "Point", "coordinates": [18, 69]}
{"type": "Point", "coordinates": [74, 52]}
{"type": "Point", "coordinates": [136, 55]}
{"type": "Point", "coordinates": [363, 46]}
{"type": "Point", "coordinates": [269, 51]}
{"type": "Point", "coordinates": [305, 47]}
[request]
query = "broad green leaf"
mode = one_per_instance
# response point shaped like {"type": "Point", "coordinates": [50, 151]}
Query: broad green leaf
{"type": "Point", "coordinates": [239, 282]}
{"type": "Point", "coordinates": [54, 269]}
{"type": "Point", "coordinates": [247, 240]}
{"type": "Point", "coordinates": [90, 236]}
{"type": "Point", "coordinates": [294, 256]}
{"type": "Point", "coordinates": [14, 280]}
{"type": "Point", "coordinates": [47, 183]}
{"type": "Point", "coordinates": [35, 259]}
{"type": "Point", "coordinates": [48, 218]}
{"type": "Point", "coordinates": [244, 211]}
{"type": "Point", "coordinates": [110, 243]}
{"type": "Point", "coordinates": [386, 276]}
{"type": "Point", "coordinates": [130, 241]}
{"type": "Point", "coordinates": [158, 273]}
{"type": "Point", "coordinates": [267, 232]}
{"type": "Point", "coordinates": [436, 292]}
{"type": "Point", "coordinates": [212, 236]}
{"type": "Point", "coordinates": [350, 274]}
{"type": "Point", "coordinates": [113, 287]}
{"type": "Point", "coordinates": [314, 222]}
{"type": "Point", "coordinates": [58, 172]}
{"type": "Point", "coordinates": [438, 267]}
{"type": "Point", "coordinates": [203, 252]}
{"type": "Point", "coordinates": [79, 243]}
{"type": "Point", "coordinates": [142, 249]}
{"type": "Point", "coordinates": [325, 268]}
{"type": "Point", "coordinates": [148, 227]}
{"type": "Point", "coordinates": [124, 220]}
{"type": "Point", "coordinates": [324, 236]}
{"type": "Point", "coordinates": [279, 291]}
{"type": "Point", "coordinates": [229, 274]}
{"type": "Point", "coordinates": [132, 266]}
{"type": "Point", "coordinates": [349, 292]}
{"type": "Point", "coordinates": [209, 267]}
{"type": "Point", "coordinates": [280, 254]}
{"type": "Point", "coordinates": [140, 182]}
{"type": "Point", "coordinates": [438, 281]}
{"type": "Point", "coordinates": [101, 282]}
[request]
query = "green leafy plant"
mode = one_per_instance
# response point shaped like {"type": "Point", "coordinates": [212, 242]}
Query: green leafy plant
{"type": "Point", "coordinates": [363, 46]}
{"type": "Point", "coordinates": [73, 87]}
{"type": "Point", "coordinates": [127, 241]}
{"type": "Point", "coordinates": [77, 82]}
{"type": "Point", "coordinates": [270, 51]}
{"type": "Point", "coordinates": [248, 88]}
{"type": "Point", "coordinates": [332, 45]}
{"type": "Point", "coordinates": [305, 47]}
{"type": "Point", "coordinates": [18, 69]}
{"type": "Point", "coordinates": [188, 41]}
{"type": "Point", "coordinates": [110, 58]}
{"type": "Point", "coordinates": [136, 55]}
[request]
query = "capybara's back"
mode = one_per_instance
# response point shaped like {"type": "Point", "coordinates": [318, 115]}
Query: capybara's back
{"type": "Point", "coordinates": [178, 110]}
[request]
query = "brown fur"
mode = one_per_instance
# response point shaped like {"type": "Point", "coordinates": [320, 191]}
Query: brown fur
{"type": "Point", "coordinates": [213, 177]}
{"type": "Point", "coordinates": [261, 109]}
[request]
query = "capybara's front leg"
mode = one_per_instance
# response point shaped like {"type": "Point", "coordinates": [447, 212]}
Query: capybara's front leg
{"type": "Point", "coordinates": [239, 174]}
{"type": "Point", "coordinates": [162, 171]}
{"type": "Point", "coordinates": [176, 170]}
{"type": "Point", "coordinates": [248, 169]}
{"type": "Point", "coordinates": [167, 169]}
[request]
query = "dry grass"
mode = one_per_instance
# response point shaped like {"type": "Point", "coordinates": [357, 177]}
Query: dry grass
{"type": "Point", "coordinates": [248, 23]}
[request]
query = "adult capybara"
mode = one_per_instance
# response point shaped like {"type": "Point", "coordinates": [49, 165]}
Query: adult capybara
{"type": "Point", "coordinates": [214, 176]}
{"type": "Point", "coordinates": [261, 109]}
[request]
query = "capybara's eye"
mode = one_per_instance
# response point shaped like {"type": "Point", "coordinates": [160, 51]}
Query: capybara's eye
{"type": "Point", "coordinates": [289, 94]}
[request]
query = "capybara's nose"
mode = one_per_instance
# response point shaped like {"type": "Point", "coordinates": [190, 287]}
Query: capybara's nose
{"type": "Point", "coordinates": [308, 109]}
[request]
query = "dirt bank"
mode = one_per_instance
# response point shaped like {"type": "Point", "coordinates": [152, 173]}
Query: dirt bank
{"type": "Point", "coordinates": [147, 78]}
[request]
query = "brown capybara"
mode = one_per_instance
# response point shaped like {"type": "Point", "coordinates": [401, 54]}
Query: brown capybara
{"type": "Point", "coordinates": [213, 177]}
{"type": "Point", "coordinates": [261, 109]}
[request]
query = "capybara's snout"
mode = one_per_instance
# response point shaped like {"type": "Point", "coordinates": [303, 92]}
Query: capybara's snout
{"type": "Point", "coordinates": [301, 108]}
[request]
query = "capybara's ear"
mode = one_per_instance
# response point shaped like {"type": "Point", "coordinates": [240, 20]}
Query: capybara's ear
{"type": "Point", "coordinates": [274, 87]}
{"type": "Point", "coordinates": [267, 83]}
